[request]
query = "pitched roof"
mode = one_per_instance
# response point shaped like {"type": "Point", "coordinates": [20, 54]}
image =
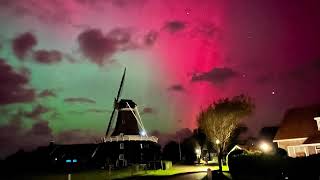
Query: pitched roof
{"type": "Point", "coordinates": [313, 139]}
{"type": "Point", "coordinates": [299, 123]}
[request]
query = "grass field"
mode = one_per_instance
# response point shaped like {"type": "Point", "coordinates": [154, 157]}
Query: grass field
{"type": "Point", "coordinates": [103, 174]}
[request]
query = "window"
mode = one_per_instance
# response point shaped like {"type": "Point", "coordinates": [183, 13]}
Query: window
{"type": "Point", "coordinates": [121, 146]}
{"type": "Point", "coordinates": [141, 146]}
{"type": "Point", "coordinates": [121, 156]}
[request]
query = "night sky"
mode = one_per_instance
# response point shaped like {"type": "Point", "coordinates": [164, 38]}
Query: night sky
{"type": "Point", "coordinates": [61, 63]}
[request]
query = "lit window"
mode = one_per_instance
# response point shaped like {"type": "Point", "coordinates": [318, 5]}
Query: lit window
{"type": "Point", "coordinates": [68, 161]}
{"type": "Point", "coordinates": [121, 156]}
{"type": "Point", "coordinates": [74, 160]}
{"type": "Point", "coordinates": [141, 146]}
{"type": "Point", "coordinates": [121, 146]}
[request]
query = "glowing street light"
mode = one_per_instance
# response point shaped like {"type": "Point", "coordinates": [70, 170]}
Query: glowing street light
{"type": "Point", "coordinates": [198, 152]}
{"type": "Point", "coordinates": [217, 141]}
{"type": "Point", "coordinates": [265, 147]}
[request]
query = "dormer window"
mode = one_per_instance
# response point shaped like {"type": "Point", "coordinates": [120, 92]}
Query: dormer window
{"type": "Point", "coordinates": [318, 122]}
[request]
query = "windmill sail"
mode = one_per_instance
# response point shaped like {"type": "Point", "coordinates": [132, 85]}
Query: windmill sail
{"type": "Point", "coordinates": [116, 101]}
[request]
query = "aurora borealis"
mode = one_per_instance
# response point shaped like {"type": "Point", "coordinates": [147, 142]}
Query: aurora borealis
{"type": "Point", "coordinates": [61, 63]}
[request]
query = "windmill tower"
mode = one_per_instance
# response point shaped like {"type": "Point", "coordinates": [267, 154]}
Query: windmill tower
{"type": "Point", "coordinates": [128, 142]}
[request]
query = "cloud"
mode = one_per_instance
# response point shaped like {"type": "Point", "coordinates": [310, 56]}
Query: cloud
{"type": "Point", "coordinates": [150, 38]}
{"type": "Point", "coordinates": [23, 44]}
{"type": "Point", "coordinates": [148, 110]}
{"type": "Point", "coordinates": [216, 75]}
{"type": "Point", "coordinates": [47, 93]}
{"type": "Point", "coordinates": [79, 100]}
{"type": "Point", "coordinates": [176, 87]}
{"type": "Point", "coordinates": [99, 47]}
{"type": "Point", "coordinates": [37, 111]}
{"type": "Point", "coordinates": [96, 46]}
{"type": "Point", "coordinates": [98, 111]}
{"type": "Point", "coordinates": [57, 11]}
{"type": "Point", "coordinates": [14, 86]}
{"type": "Point", "coordinates": [174, 26]}
{"type": "Point", "coordinates": [126, 3]}
{"type": "Point", "coordinates": [47, 56]}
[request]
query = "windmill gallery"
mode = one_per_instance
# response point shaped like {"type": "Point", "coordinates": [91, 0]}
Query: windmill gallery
{"type": "Point", "coordinates": [126, 144]}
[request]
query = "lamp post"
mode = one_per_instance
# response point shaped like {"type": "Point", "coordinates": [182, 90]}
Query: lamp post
{"type": "Point", "coordinates": [198, 153]}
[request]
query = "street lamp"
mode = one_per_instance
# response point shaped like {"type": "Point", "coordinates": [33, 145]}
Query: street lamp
{"type": "Point", "coordinates": [265, 147]}
{"type": "Point", "coordinates": [217, 141]}
{"type": "Point", "coordinates": [198, 153]}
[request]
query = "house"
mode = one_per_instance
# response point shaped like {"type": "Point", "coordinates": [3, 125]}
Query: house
{"type": "Point", "coordinates": [299, 131]}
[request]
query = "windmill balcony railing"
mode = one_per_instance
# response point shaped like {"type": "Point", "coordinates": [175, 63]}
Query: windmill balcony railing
{"type": "Point", "coordinates": [130, 138]}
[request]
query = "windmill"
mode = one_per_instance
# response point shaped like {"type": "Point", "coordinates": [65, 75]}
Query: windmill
{"type": "Point", "coordinates": [128, 118]}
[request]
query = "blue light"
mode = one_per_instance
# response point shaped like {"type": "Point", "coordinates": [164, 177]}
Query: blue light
{"type": "Point", "coordinates": [68, 161]}
{"type": "Point", "coordinates": [74, 160]}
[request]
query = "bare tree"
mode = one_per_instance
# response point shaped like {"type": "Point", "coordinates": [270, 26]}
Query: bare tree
{"type": "Point", "coordinates": [221, 118]}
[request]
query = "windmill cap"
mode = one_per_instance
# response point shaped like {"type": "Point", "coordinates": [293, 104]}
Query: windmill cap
{"type": "Point", "coordinates": [123, 103]}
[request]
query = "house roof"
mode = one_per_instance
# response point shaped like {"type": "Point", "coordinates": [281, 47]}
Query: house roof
{"type": "Point", "coordinates": [299, 123]}
{"type": "Point", "coordinates": [313, 139]}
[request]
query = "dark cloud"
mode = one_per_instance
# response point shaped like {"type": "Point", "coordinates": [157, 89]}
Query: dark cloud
{"type": "Point", "coordinates": [126, 3]}
{"type": "Point", "coordinates": [25, 71]}
{"type": "Point", "coordinates": [97, 110]}
{"type": "Point", "coordinates": [216, 75]}
{"type": "Point", "coordinates": [174, 26]}
{"type": "Point", "coordinates": [99, 47]}
{"type": "Point", "coordinates": [14, 86]}
{"type": "Point", "coordinates": [79, 100]}
{"type": "Point", "coordinates": [148, 110]}
{"type": "Point", "coordinates": [96, 46]}
{"type": "Point", "coordinates": [37, 111]}
{"type": "Point", "coordinates": [47, 93]}
{"type": "Point", "coordinates": [22, 44]}
{"type": "Point", "coordinates": [46, 11]}
{"type": "Point", "coordinates": [41, 129]}
{"type": "Point", "coordinates": [150, 38]}
{"type": "Point", "coordinates": [47, 56]}
{"type": "Point", "coordinates": [176, 87]}
{"type": "Point", "coordinates": [76, 136]}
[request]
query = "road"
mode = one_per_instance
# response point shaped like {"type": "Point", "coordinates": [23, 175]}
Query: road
{"type": "Point", "coordinates": [187, 176]}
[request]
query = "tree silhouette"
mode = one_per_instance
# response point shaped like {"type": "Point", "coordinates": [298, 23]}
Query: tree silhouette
{"type": "Point", "coordinates": [221, 118]}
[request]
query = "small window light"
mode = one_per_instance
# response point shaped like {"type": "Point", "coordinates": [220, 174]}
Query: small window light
{"type": "Point", "coordinates": [68, 161]}
{"type": "Point", "coordinates": [121, 156]}
{"type": "Point", "coordinates": [74, 160]}
{"type": "Point", "coordinates": [121, 146]}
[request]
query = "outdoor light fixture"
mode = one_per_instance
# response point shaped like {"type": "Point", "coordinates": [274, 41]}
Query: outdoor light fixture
{"type": "Point", "coordinates": [143, 133]}
{"type": "Point", "coordinates": [265, 147]}
{"type": "Point", "coordinates": [198, 152]}
{"type": "Point", "coordinates": [217, 141]}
